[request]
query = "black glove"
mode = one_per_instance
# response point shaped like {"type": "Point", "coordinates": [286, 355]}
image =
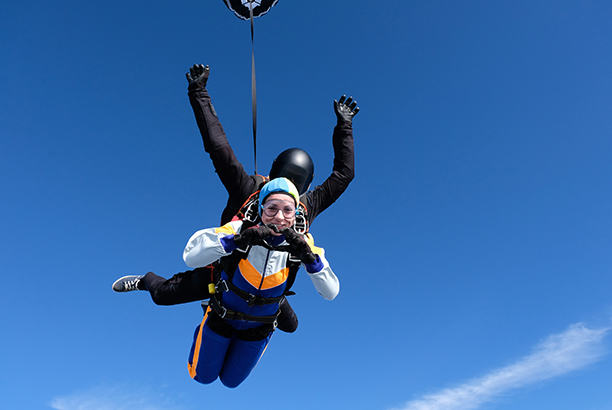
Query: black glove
{"type": "Point", "coordinates": [198, 75]}
{"type": "Point", "coordinates": [345, 110]}
{"type": "Point", "coordinates": [299, 245]}
{"type": "Point", "coordinates": [252, 236]}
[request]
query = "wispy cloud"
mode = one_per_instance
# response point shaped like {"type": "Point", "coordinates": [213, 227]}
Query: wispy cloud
{"type": "Point", "coordinates": [114, 398]}
{"type": "Point", "coordinates": [559, 354]}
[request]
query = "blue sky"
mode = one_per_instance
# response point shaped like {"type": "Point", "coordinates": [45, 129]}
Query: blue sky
{"type": "Point", "coordinates": [473, 247]}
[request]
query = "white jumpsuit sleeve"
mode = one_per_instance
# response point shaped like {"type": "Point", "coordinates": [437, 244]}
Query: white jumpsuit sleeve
{"type": "Point", "coordinates": [205, 246]}
{"type": "Point", "coordinates": [323, 278]}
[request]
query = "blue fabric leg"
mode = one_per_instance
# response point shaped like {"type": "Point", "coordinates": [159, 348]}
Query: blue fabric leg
{"type": "Point", "coordinates": [241, 359]}
{"type": "Point", "coordinates": [207, 355]}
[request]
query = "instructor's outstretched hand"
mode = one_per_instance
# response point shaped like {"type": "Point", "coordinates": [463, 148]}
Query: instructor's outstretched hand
{"type": "Point", "coordinates": [198, 75]}
{"type": "Point", "coordinates": [345, 109]}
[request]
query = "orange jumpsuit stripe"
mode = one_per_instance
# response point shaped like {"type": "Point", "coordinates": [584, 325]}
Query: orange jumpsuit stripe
{"type": "Point", "coordinates": [251, 275]}
{"type": "Point", "coordinates": [196, 353]}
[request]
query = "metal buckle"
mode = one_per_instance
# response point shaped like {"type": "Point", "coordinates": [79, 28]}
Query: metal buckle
{"type": "Point", "coordinates": [300, 223]}
{"type": "Point", "coordinates": [252, 211]}
{"type": "Point", "coordinates": [251, 300]}
{"type": "Point", "coordinates": [223, 311]}
{"type": "Point", "coordinates": [223, 286]}
{"type": "Point", "coordinates": [217, 307]}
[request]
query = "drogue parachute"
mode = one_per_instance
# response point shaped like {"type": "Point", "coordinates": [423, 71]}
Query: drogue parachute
{"type": "Point", "coordinates": [241, 8]}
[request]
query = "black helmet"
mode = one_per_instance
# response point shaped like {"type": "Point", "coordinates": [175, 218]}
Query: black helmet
{"type": "Point", "coordinates": [296, 165]}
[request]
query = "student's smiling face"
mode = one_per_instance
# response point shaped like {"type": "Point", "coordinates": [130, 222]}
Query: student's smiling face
{"type": "Point", "coordinates": [279, 210]}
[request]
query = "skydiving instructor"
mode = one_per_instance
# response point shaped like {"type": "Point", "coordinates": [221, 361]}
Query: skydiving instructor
{"type": "Point", "coordinates": [240, 185]}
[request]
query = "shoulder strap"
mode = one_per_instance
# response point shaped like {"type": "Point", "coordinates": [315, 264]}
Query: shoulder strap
{"type": "Point", "coordinates": [293, 264]}
{"type": "Point", "coordinates": [260, 181]}
{"type": "Point", "coordinates": [249, 211]}
{"type": "Point", "coordinates": [230, 262]}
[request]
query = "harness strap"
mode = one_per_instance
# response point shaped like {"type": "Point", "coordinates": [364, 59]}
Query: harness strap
{"type": "Point", "coordinates": [229, 314]}
{"type": "Point", "coordinates": [226, 286]}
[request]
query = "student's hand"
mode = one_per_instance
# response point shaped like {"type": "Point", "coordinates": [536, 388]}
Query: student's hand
{"type": "Point", "coordinates": [274, 230]}
{"type": "Point", "coordinates": [299, 245]}
{"type": "Point", "coordinates": [345, 110]}
{"type": "Point", "coordinates": [198, 75]}
{"type": "Point", "coordinates": [252, 236]}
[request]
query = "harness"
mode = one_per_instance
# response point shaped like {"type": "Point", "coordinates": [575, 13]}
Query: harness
{"type": "Point", "coordinates": [249, 214]}
{"type": "Point", "coordinates": [229, 264]}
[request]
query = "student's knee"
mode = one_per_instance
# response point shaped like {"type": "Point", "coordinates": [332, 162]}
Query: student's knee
{"type": "Point", "coordinates": [205, 379]}
{"type": "Point", "coordinates": [230, 382]}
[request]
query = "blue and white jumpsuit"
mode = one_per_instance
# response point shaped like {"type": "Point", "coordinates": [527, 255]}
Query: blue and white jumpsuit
{"type": "Point", "coordinates": [231, 351]}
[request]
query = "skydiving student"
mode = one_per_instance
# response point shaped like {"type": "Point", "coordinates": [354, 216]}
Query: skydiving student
{"type": "Point", "coordinates": [258, 266]}
{"type": "Point", "coordinates": [294, 164]}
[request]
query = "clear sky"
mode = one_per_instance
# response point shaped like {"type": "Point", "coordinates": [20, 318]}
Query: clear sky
{"type": "Point", "coordinates": [473, 247]}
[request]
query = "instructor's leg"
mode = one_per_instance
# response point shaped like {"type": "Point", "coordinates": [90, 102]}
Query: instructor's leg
{"type": "Point", "coordinates": [184, 287]}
